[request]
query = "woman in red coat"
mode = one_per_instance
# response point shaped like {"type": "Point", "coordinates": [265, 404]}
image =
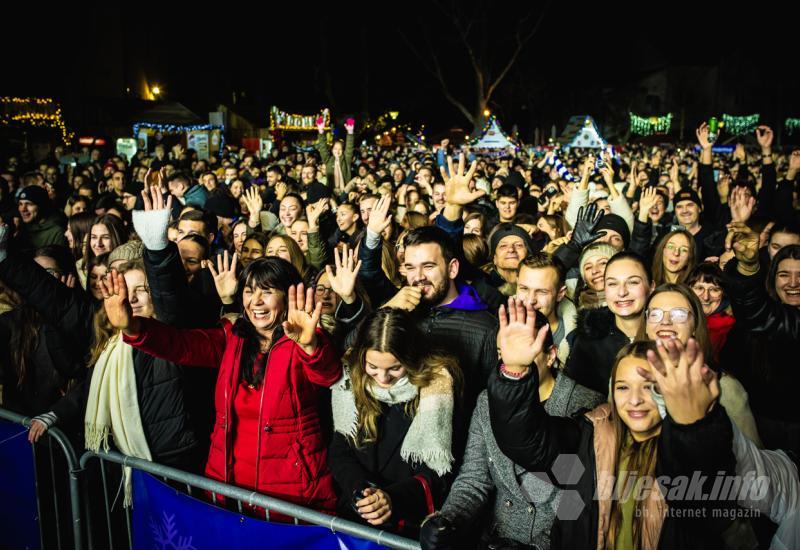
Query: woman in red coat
{"type": "Point", "coordinates": [272, 364]}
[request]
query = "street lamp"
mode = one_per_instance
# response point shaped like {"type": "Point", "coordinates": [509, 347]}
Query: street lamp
{"type": "Point", "coordinates": [156, 90]}
{"type": "Point", "coordinates": [486, 112]}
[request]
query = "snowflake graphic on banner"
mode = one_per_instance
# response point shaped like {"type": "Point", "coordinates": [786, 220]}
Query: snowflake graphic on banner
{"type": "Point", "coordinates": [166, 536]}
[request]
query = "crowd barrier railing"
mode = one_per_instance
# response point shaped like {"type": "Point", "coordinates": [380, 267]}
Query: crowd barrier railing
{"type": "Point", "coordinates": [85, 523]}
{"type": "Point", "coordinates": [74, 473]}
{"type": "Point", "coordinates": [243, 496]}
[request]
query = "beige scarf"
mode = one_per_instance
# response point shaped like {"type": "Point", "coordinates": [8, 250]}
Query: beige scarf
{"type": "Point", "coordinates": [429, 438]}
{"type": "Point", "coordinates": [113, 407]}
{"type": "Point", "coordinates": [338, 176]}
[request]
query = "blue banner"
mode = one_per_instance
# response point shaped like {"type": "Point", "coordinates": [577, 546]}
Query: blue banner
{"type": "Point", "coordinates": [167, 519]}
{"type": "Point", "coordinates": [19, 517]}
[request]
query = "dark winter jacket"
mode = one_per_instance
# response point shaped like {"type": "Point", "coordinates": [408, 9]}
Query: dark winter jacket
{"type": "Point", "coordinates": [159, 384]}
{"type": "Point", "coordinates": [49, 367]}
{"type": "Point", "coordinates": [765, 359]}
{"type": "Point", "coordinates": [594, 349]}
{"type": "Point", "coordinates": [534, 440]}
{"type": "Point", "coordinates": [415, 490]}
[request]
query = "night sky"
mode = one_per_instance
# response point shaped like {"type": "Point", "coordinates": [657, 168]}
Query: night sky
{"type": "Point", "coordinates": [300, 57]}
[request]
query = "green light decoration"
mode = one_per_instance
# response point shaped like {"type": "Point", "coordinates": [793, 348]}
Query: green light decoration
{"type": "Point", "coordinates": [647, 126]}
{"type": "Point", "coordinates": [738, 125]}
{"type": "Point", "coordinates": [792, 125]}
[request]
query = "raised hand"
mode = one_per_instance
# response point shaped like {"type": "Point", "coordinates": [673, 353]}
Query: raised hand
{"type": "Point", "coordinates": [764, 135]}
{"type": "Point", "coordinates": [68, 280]}
{"type": "Point", "coordinates": [380, 218]}
{"type": "Point", "coordinates": [115, 301]}
{"type": "Point", "coordinates": [321, 124]}
{"type": "Point", "coordinates": [688, 386]}
{"type": "Point", "coordinates": [224, 276]}
{"type": "Point", "coordinates": [407, 298]}
{"type": "Point", "coordinates": [742, 205]}
{"type": "Point", "coordinates": [585, 230]}
{"type": "Point", "coordinates": [723, 185]}
{"type": "Point", "coordinates": [518, 339]}
{"type": "Point", "coordinates": [280, 190]}
{"type": "Point", "coordinates": [743, 242]}
{"type": "Point", "coordinates": [314, 211]}
{"type": "Point", "coordinates": [153, 199]}
{"type": "Point", "coordinates": [702, 136]}
{"type": "Point", "coordinates": [253, 201]}
{"type": "Point", "coordinates": [647, 200]}
{"type": "Point", "coordinates": [302, 318]}
{"type": "Point", "coordinates": [343, 281]}
{"type": "Point", "coordinates": [349, 125]}
{"type": "Point", "coordinates": [456, 184]}
{"type": "Point", "coordinates": [739, 153]}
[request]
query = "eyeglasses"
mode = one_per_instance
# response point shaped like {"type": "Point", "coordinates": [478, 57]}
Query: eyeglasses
{"type": "Point", "coordinates": [678, 315]}
{"type": "Point", "coordinates": [322, 289]}
{"type": "Point", "coordinates": [713, 291]}
{"type": "Point", "coordinates": [682, 249]}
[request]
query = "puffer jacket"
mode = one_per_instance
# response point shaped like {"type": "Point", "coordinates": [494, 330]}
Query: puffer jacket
{"type": "Point", "coordinates": [535, 440]}
{"type": "Point", "coordinates": [466, 329]}
{"type": "Point", "coordinates": [290, 458]}
{"type": "Point", "coordinates": [159, 384]}
{"type": "Point", "coordinates": [594, 349]}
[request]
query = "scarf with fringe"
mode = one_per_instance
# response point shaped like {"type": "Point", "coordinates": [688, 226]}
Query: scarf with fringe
{"type": "Point", "coordinates": [430, 435]}
{"type": "Point", "coordinates": [113, 407]}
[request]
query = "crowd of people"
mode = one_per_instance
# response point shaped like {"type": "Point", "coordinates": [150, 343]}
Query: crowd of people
{"type": "Point", "coordinates": [414, 339]}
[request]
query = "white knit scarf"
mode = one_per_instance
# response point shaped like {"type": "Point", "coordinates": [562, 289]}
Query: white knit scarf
{"type": "Point", "coordinates": [430, 435]}
{"type": "Point", "coordinates": [113, 407]}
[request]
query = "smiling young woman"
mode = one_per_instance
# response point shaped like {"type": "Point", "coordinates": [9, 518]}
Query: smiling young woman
{"type": "Point", "coordinates": [619, 446]}
{"type": "Point", "coordinates": [393, 411]}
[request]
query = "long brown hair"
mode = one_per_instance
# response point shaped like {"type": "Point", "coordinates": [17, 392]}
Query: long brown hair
{"type": "Point", "coordinates": [391, 330]}
{"type": "Point", "coordinates": [700, 330]}
{"type": "Point", "coordinates": [297, 258]}
{"type": "Point", "coordinates": [641, 457]}
{"type": "Point", "coordinates": [103, 331]}
{"type": "Point", "coordinates": [659, 271]}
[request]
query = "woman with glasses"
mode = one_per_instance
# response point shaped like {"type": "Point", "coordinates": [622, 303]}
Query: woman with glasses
{"type": "Point", "coordinates": [707, 281]}
{"type": "Point", "coordinates": [673, 312]}
{"type": "Point", "coordinates": [613, 459]}
{"type": "Point", "coordinates": [674, 257]}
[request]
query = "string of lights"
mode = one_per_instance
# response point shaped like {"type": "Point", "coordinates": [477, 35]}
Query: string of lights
{"type": "Point", "coordinates": [36, 112]}
{"type": "Point", "coordinates": [647, 126]}
{"type": "Point", "coordinates": [180, 129]}
{"type": "Point", "coordinates": [792, 125]}
{"type": "Point", "coordinates": [281, 120]}
{"type": "Point", "coordinates": [738, 125]}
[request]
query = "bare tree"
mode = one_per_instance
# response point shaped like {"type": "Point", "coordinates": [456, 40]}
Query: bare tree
{"type": "Point", "coordinates": [479, 38]}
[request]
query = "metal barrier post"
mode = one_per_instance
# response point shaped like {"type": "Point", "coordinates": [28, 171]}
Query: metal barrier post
{"type": "Point", "coordinates": [74, 471]}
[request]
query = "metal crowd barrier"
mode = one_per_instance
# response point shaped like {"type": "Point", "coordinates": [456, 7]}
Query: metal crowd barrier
{"type": "Point", "coordinates": [73, 465]}
{"type": "Point", "coordinates": [85, 532]}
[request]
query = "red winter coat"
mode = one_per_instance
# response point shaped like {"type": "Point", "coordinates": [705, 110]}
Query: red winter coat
{"type": "Point", "coordinates": [290, 455]}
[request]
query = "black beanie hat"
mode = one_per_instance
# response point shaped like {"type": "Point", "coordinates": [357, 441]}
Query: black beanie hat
{"type": "Point", "coordinates": [35, 194]}
{"type": "Point", "coordinates": [507, 229]}
{"type": "Point", "coordinates": [616, 223]}
{"type": "Point", "coordinates": [221, 205]}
